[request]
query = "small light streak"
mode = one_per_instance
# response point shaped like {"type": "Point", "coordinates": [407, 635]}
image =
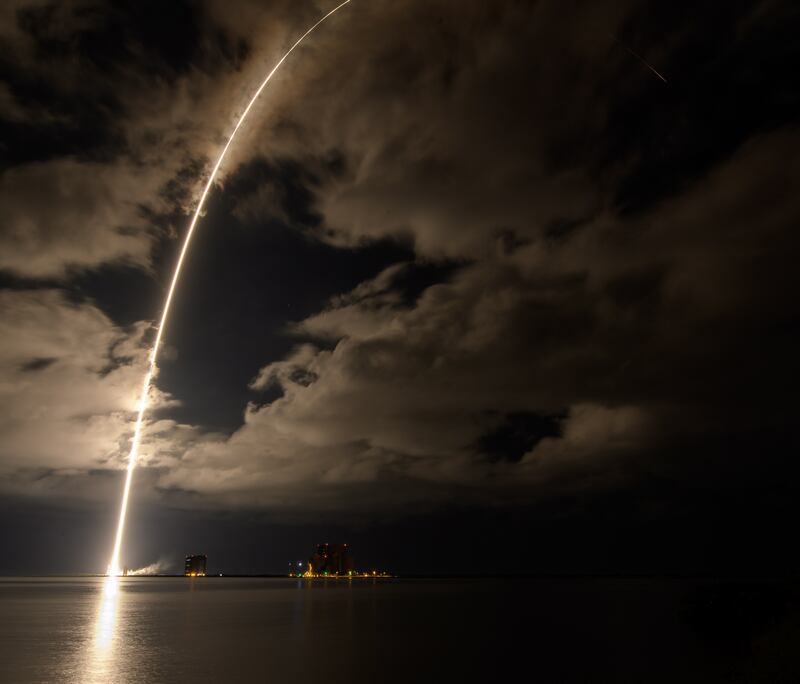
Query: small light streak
{"type": "Point", "coordinates": [113, 565]}
{"type": "Point", "coordinates": [645, 62]}
{"type": "Point", "coordinates": [635, 54]}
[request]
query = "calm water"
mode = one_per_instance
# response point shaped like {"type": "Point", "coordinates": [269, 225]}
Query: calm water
{"type": "Point", "coordinates": [280, 630]}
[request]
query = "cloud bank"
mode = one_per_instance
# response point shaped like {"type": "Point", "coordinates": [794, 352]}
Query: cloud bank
{"type": "Point", "coordinates": [614, 299]}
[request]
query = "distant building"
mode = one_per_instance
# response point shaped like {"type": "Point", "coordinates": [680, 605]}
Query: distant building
{"type": "Point", "coordinates": [330, 559]}
{"type": "Point", "coordinates": [195, 566]}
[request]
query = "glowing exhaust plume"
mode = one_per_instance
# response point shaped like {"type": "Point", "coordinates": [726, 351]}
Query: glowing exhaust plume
{"type": "Point", "coordinates": [113, 566]}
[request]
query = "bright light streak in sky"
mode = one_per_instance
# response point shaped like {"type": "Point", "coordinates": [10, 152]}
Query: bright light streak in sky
{"type": "Point", "coordinates": [113, 566]}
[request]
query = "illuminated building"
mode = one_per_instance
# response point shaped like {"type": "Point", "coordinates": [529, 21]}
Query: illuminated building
{"type": "Point", "coordinates": [195, 566]}
{"type": "Point", "coordinates": [330, 559]}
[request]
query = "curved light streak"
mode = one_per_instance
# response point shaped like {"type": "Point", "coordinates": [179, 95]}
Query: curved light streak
{"type": "Point", "coordinates": [113, 566]}
{"type": "Point", "coordinates": [645, 62]}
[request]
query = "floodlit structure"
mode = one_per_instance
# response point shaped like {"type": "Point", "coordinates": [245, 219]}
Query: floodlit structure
{"type": "Point", "coordinates": [331, 559]}
{"type": "Point", "coordinates": [195, 566]}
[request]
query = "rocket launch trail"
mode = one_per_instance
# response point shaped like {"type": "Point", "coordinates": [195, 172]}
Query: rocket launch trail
{"type": "Point", "coordinates": [113, 566]}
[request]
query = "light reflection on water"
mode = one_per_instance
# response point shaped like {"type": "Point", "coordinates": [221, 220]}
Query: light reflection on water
{"type": "Point", "coordinates": [163, 630]}
{"type": "Point", "coordinates": [99, 666]}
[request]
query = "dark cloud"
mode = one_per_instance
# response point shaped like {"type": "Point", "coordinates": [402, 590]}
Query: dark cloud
{"type": "Point", "coordinates": [518, 434]}
{"type": "Point", "coordinates": [37, 364]}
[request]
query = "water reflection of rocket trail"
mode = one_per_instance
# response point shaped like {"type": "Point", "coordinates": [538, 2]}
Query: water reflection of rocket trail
{"type": "Point", "coordinates": [114, 566]}
{"type": "Point", "coordinates": [101, 652]}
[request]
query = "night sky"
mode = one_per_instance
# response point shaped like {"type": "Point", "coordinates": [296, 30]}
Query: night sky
{"type": "Point", "coordinates": [477, 291]}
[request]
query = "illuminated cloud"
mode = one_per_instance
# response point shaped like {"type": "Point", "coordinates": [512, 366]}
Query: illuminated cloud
{"type": "Point", "coordinates": [69, 384]}
{"type": "Point", "coordinates": [631, 319]}
{"type": "Point", "coordinates": [401, 399]}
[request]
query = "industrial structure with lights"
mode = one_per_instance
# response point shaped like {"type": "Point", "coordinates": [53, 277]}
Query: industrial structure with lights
{"type": "Point", "coordinates": [195, 566]}
{"type": "Point", "coordinates": [332, 561]}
